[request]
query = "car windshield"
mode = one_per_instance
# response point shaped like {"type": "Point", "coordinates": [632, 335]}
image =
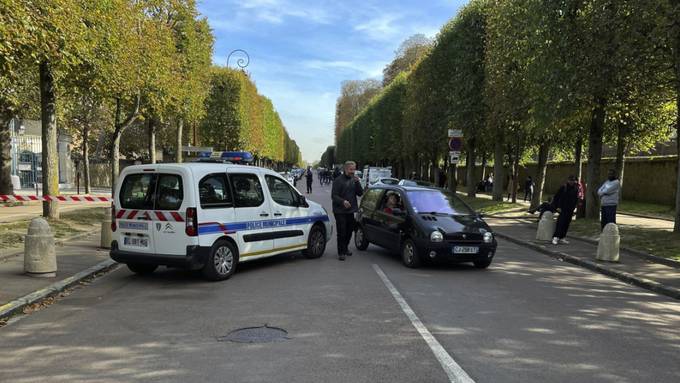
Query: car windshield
{"type": "Point", "coordinates": [438, 202]}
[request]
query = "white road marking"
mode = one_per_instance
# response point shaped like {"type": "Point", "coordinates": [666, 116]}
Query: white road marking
{"type": "Point", "coordinates": [455, 373]}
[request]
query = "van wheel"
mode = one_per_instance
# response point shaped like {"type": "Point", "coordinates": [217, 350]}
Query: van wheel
{"type": "Point", "coordinates": [360, 240]}
{"type": "Point", "coordinates": [316, 243]}
{"type": "Point", "coordinates": [142, 268]}
{"type": "Point", "coordinates": [409, 254]}
{"type": "Point", "coordinates": [221, 262]}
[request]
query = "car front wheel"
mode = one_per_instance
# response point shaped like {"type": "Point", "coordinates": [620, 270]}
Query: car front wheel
{"type": "Point", "coordinates": [409, 254]}
{"type": "Point", "coordinates": [221, 263]}
{"type": "Point", "coordinates": [316, 243]}
{"type": "Point", "coordinates": [360, 240]}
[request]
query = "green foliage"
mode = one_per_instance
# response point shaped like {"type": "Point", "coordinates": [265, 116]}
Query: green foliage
{"type": "Point", "coordinates": [239, 118]}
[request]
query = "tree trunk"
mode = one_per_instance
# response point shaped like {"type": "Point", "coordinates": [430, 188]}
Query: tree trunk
{"type": "Point", "coordinates": [483, 166]}
{"type": "Point", "coordinates": [119, 128]}
{"type": "Point", "coordinates": [453, 178]}
{"type": "Point", "coordinates": [620, 152]}
{"type": "Point", "coordinates": [5, 158]}
{"type": "Point", "coordinates": [594, 158]}
{"type": "Point", "coordinates": [498, 156]}
{"type": "Point", "coordinates": [86, 158]}
{"type": "Point", "coordinates": [578, 157]}
{"type": "Point", "coordinates": [152, 140]}
{"type": "Point", "coordinates": [543, 152]}
{"type": "Point", "coordinates": [676, 226]}
{"type": "Point", "coordinates": [50, 159]}
{"type": "Point", "coordinates": [470, 168]}
{"type": "Point", "coordinates": [180, 127]}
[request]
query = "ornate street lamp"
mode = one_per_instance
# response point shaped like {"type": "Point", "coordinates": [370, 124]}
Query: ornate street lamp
{"type": "Point", "coordinates": [241, 62]}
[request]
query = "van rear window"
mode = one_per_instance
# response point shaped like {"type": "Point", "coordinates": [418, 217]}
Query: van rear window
{"type": "Point", "coordinates": [151, 191]}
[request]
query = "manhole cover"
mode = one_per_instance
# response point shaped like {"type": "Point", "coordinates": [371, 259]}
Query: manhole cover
{"type": "Point", "coordinates": [262, 334]}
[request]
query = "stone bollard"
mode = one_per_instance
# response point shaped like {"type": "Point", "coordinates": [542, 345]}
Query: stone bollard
{"type": "Point", "coordinates": [608, 246]}
{"type": "Point", "coordinates": [546, 227]}
{"type": "Point", "coordinates": [106, 233]}
{"type": "Point", "coordinates": [40, 259]}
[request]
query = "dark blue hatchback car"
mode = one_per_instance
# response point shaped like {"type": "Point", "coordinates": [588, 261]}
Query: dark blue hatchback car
{"type": "Point", "coordinates": [424, 225]}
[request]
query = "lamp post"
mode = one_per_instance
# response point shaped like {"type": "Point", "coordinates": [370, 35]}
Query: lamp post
{"type": "Point", "coordinates": [241, 62]}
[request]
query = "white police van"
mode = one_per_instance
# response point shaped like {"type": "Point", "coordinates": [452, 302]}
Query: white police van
{"type": "Point", "coordinates": [210, 216]}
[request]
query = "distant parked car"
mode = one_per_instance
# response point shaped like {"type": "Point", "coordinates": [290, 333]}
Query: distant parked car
{"type": "Point", "coordinates": [423, 224]}
{"type": "Point", "coordinates": [405, 182]}
{"type": "Point", "coordinates": [385, 181]}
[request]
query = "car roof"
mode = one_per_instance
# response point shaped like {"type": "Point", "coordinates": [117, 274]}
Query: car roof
{"type": "Point", "coordinates": [402, 187]}
{"type": "Point", "coordinates": [199, 166]}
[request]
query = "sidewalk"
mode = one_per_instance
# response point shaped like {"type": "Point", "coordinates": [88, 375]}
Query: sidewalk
{"type": "Point", "coordinates": [76, 261]}
{"type": "Point", "coordinates": [631, 268]}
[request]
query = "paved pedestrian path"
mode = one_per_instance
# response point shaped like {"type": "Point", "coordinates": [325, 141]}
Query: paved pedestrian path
{"type": "Point", "coordinates": [520, 230]}
{"type": "Point", "coordinates": [72, 259]}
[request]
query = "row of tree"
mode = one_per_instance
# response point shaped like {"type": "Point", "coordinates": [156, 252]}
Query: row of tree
{"type": "Point", "coordinates": [528, 79]}
{"type": "Point", "coordinates": [101, 68]}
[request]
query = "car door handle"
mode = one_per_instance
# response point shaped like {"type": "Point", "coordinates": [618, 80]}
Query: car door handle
{"type": "Point", "coordinates": [278, 214]}
{"type": "Point", "coordinates": [263, 214]}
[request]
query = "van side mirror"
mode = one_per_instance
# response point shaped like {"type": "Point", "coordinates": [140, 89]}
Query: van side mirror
{"type": "Point", "coordinates": [302, 201]}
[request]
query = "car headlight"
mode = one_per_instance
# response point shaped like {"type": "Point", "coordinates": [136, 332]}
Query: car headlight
{"type": "Point", "coordinates": [436, 236]}
{"type": "Point", "coordinates": [488, 237]}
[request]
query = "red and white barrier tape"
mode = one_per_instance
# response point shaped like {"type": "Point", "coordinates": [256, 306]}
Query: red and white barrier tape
{"type": "Point", "coordinates": [70, 198]}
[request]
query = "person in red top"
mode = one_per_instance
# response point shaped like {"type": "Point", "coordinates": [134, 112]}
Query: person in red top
{"type": "Point", "coordinates": [391, 203]}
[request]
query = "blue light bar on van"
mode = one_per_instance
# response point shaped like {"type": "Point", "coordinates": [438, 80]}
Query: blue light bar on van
{"type": "Point", "coordinates": [236, 157]}
{"type": "Point", "coordinates": [204, 154]}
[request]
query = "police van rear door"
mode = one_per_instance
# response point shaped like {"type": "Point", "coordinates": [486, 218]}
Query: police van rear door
{"type": "Point", "coordinates": [134, 223]}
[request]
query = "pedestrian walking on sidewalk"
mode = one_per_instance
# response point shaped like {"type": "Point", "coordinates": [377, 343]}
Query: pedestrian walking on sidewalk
{"type": "Point", "coordinates": [346, 188]}
{"type": "Point", "coordinates": [565, 201]}
{"type": "Point", "coordinates": [609, 198]}
{"type": "Point", "coordinates": [528, 189]}
{"type": "Point", "coordinates": [310, 179]}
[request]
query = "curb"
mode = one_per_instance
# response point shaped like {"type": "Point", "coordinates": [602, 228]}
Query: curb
{"type": "Point", "coordinates": [60, 242]}
{"type": "Point", "coordinates": [637, 253]}
{"type": "Point", "coordinates": [594, 266]}
{"type": "Point", "coordinates": [17, 305]}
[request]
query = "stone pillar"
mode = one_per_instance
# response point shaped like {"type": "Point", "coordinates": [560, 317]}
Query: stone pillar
{"type": "Point", "coordinates": [40, 259]}
{"type": "Point", "coordinates": [546, 227]}
{"type": "Point", "coordinates": [608, 246]}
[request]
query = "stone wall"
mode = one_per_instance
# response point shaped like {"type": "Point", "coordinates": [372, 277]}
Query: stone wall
{"type": "Point", "coordinates": [650, 180]}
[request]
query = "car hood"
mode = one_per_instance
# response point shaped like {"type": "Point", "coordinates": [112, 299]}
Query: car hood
{"type": "Point", "coordinates": [453, 226]}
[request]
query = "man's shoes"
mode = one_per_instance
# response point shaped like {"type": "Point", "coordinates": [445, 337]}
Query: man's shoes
{"type": "Point", "coordinates": [348, 253]}
{"type": "Point", "coordinates": [555, 240]}
{"type": "Point", "coordinates": [341, 257]}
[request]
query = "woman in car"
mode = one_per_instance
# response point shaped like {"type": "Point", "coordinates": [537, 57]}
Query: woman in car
{"type": "Point", "coordinates": [391, 204]}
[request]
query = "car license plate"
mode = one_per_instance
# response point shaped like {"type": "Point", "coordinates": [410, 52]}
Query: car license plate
{"type": "Point", "coordinates": [465, 249]}
{"type": "Point", "coordinates": [136, 242]}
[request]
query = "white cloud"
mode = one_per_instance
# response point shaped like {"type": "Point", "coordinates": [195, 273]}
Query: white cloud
{"type": "Point", "coordinates": [380, 28]}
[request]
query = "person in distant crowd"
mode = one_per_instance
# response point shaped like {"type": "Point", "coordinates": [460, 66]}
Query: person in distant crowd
{"type": "Point", "coordinates": [442, 178]}
{"type": "Point", "coordinates": [565, 201]}
{"type": "Point", "coordinates": [512, 186]}
{"type": "Point", "coordinates": [336, 172]}
{"type": "Point", "coordinates": [489, 183]}
{"type": "Point", "coordinates": [609, 198]}
{"type": "Point", "coordinates": [310, 178]}
{"type": "Point", "coordinates": [528, 188]}
{"type": "Point", "coordinates": [319, 175]}
{"type": "Point", "coordinates": [414, 176]}
{"type": "Point", "coordinates": [346, 188]}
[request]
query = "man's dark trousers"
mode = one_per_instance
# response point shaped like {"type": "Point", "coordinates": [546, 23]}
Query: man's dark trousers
{"type": "Point", "coordinates": [345, 226]}
{"type": "Point", "coordinates": [608, 215]}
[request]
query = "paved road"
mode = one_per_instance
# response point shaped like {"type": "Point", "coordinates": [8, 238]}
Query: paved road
{"type": "Point", "coordinates": [528, 318]}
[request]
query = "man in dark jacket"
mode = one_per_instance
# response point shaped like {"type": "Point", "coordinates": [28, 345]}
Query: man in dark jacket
{"type": "Point", "coordinates": [565, 202]}
{"type": "Point", "coordinates": [346, 188]}
{"type": "Point", "coordinates": [310, 178]}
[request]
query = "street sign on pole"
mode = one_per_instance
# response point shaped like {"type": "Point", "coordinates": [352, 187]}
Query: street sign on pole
{"type": "Point", "coordinates": [455, 144]}
{"type": "Point", "coordinates": [455, 133]}
{"type": "Point", "coordinates": [454, 157]}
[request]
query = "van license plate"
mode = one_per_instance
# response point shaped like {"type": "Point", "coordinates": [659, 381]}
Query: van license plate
{"type": "Point", "coordinates": [136, 242]}
{"type": "Point", "coordinates": [465, 249]}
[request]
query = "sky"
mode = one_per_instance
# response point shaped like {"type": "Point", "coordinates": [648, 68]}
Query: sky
{"type": "Point", "coordinates": [301, 50]}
